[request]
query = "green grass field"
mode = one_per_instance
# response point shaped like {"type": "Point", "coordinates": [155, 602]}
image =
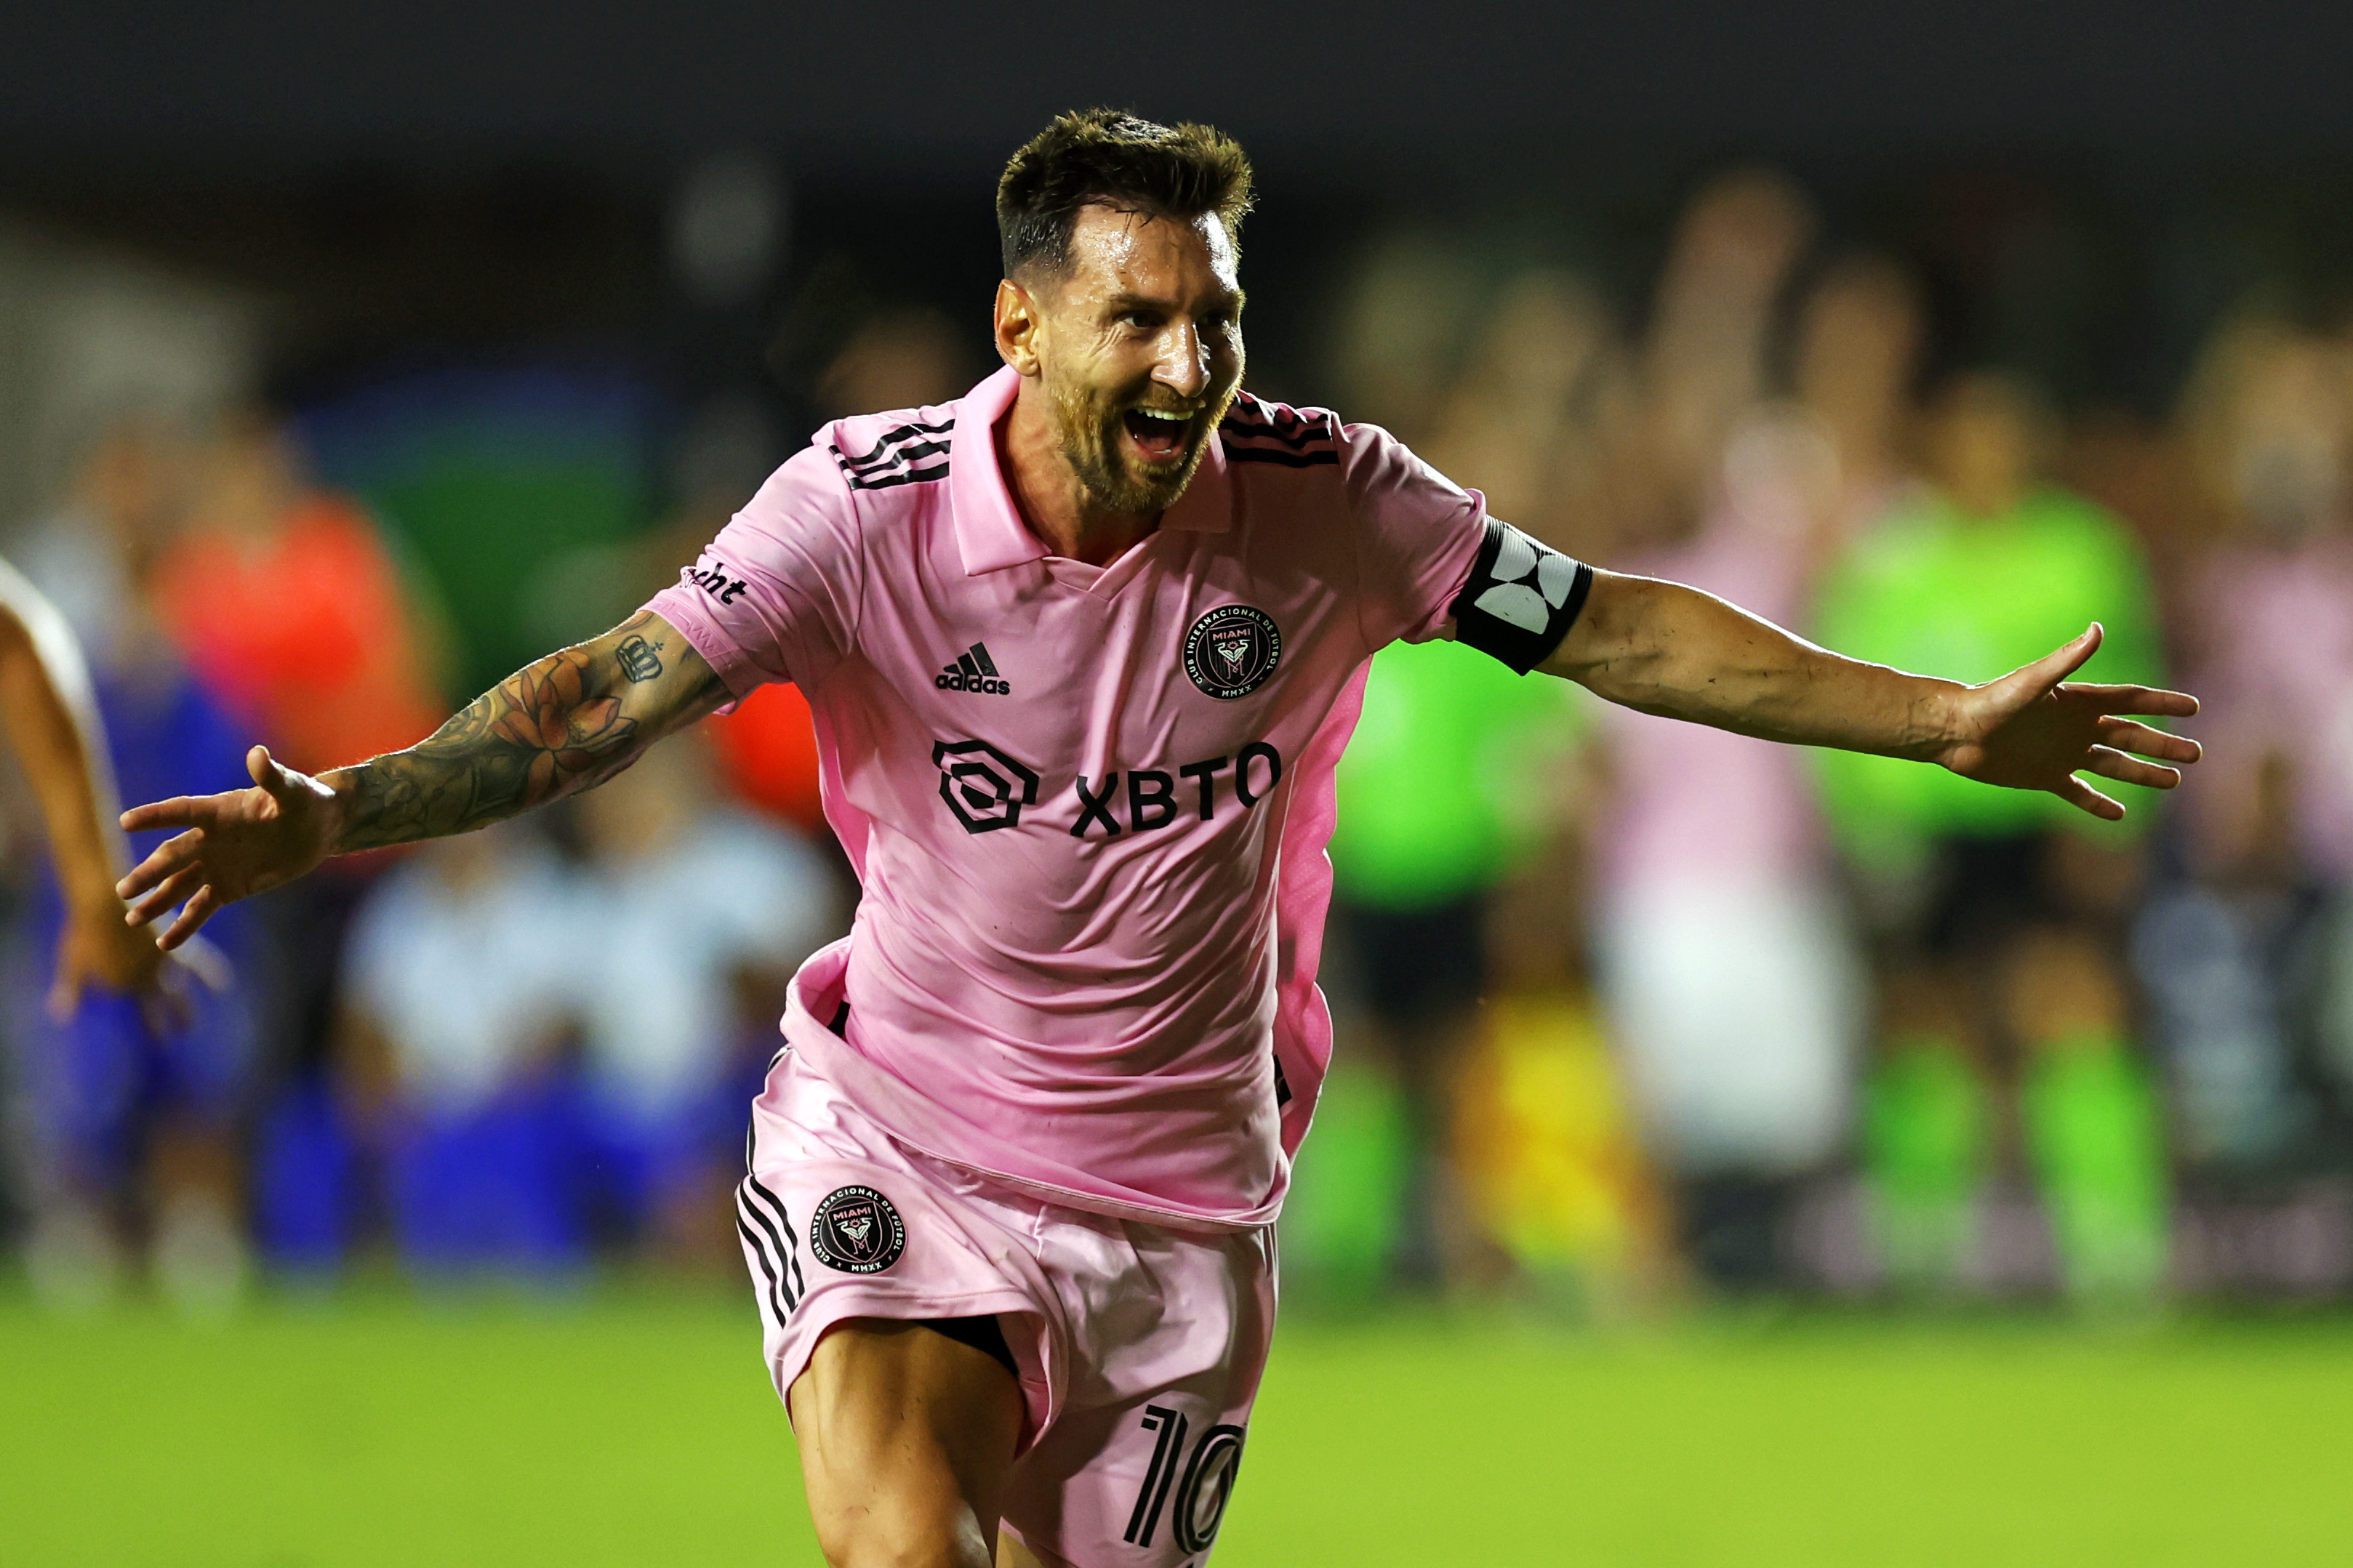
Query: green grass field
{"type": "Point", "coordinates": [638, 1430]}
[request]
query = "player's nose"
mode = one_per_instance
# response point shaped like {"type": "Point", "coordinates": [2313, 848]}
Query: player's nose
{"type": "Point", "coordinates": [1183, 366]}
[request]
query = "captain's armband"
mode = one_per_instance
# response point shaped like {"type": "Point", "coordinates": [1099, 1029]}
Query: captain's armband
{"type": "Point", "coordinates": [1521, 598]}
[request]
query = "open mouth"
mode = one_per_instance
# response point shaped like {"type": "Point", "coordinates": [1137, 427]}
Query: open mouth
{"type": "Point", "coordinates": [1158, 434]}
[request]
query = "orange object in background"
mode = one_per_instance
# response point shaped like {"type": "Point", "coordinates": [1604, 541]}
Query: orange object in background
{"type": "Point", "coordinates": [302, 630]}
{"type": "Point", "coordinates": [767, 753]}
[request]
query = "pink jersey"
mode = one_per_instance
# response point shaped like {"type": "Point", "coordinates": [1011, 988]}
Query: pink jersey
{"type": "Point", "coordinates": [1087, 805]}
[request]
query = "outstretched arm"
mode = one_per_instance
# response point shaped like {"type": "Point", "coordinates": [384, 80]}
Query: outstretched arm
{"type": "Point", "coordinates": [51, 717]}
{"type": "Point", "coordinates": [563, 724]}
{"type": "Point", "coordinates": [1665, 648]}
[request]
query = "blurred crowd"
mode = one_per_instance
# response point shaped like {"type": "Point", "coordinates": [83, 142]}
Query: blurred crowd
{"type": "Point", "coordinates": [1637, 1007]}
{"type": "Point", "coordinates": [511, 1052]}
{"type": "Point", "coordinates": [1629, 1011]}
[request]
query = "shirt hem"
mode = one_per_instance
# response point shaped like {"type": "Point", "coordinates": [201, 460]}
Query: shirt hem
{"type": "Point", "coordinates": [869, 1089]}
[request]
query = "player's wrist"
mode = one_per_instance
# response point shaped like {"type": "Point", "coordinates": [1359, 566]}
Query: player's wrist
{"type": "Point", "coordinates": [339, 792]}
{"type": "Point", "coordinates": [1939, 723]}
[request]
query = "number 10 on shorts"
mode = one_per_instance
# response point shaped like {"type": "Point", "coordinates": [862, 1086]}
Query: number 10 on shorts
{"type": "Point", "coordinates": [1209, 1481]}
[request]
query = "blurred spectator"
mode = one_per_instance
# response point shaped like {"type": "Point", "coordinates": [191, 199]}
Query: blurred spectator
{"type": "Point", "coordinates": [1704, 360]}
{"type": "Point", "coordinates": [1728, 972]}
{"type": "Point", "coordinates": [1342, 1222]}
{"type": "Point", "coordinates": [1540, 420]}
{"type": "Point", "coordinates": [1967, 885]}
{"type": "Point", "coordinates": [289, 606]}
{"type": "Point", "coordinates": [2088, 1108]}
{"type": "Point", "coordinates": [462, 970]}
{"type": "Point", "coordinates": [88, 554]}
{"type": "Point", "coordinates": [1403, 319]}
{"type": "Point", "coordinates": [2226, 950]}
{"type": "Point", "coordinates": [1731, 976]}
{"type": "Point", "coordinates": [1981, 574]}
{"type": "Point", "coordinates": [284, 597]}
{"type": "Point", "coordinates": [1545, 1135]}
{"type": "Point", "coordinates": [137, 1111]}
{"type": "Point", "coordinates": [1858, 348]}
{"type": "Point", "coordinates": [687, 921]}
{"type": "Point", "coordinates": [1448, 785]}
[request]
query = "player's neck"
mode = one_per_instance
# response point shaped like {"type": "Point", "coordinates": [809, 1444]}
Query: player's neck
{"type": "Point", "coordinates": [1051, 501]}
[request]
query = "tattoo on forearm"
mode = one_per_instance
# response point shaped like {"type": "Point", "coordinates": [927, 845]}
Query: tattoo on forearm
{"type": "Point", "coordinates": [548, 730]}
{"type": "Point", "coordinates": [640, 659]}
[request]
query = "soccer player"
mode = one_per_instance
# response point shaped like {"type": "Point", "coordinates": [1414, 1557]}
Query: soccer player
{"type": "Point", "coordinates": [1082, 647]}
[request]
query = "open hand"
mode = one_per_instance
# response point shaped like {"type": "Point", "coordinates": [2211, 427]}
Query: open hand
{"type": "Point", "coordinates": [2034, 729]}
{"type": "Point", "coordinates": [236, 844]}
{"type": "Point", "coordinates": [99, 950]}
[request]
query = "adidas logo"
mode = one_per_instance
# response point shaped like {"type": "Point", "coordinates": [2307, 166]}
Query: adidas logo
{"type": "Point", "coordinates": [973, 670]}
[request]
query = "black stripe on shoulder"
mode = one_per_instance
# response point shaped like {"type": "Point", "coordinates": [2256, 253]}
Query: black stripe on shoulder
{"type": "Point", "coordinates": [899, 462]}
{"type": "Point", "coordinates": [894, 453]}
{"type": "Point", "coordinates": [898, 433]}
{"type": "Point", "coordinates": [892, 481]}
{"type": "Point", "coordinates": [1289, 458]}
{"type": "Point", "coordinates": [907, 465]}
{"type": "Point", "coordinates": [899, 449]}
{"type": "Point", "coordinates": [1251, 419]}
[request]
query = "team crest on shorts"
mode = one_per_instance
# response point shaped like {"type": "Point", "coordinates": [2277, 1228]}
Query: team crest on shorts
{"type": "Point", "coordinates": [857, 1231]}
{"type": "Point", "coordinates": [1232, 650]}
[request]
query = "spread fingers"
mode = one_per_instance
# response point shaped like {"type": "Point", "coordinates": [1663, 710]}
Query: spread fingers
{"type": "Point", "coordinates": [166, 894]}
{"type": "Point", "coordinates": [191, 917]}
{"type": "Point", "coordinates": [180, 811]}
{"type": "Point", "coordinates": [162, 861]}
{"type": "Point", "coordinates": [2109, 762]}
{"type": "Point", "coordinates": [2149, 699]}
{"type": "Point", "coordinates": [2128, 735]}
{"type": "Point", "coordinates": [2083, 796]}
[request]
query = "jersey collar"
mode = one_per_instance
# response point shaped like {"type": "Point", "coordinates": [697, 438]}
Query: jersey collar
{"type": "Point", "coordinates": [990, 534]}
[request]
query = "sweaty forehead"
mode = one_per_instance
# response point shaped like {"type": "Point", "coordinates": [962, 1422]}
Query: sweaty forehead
{"type": "Point", "coordinates": [1116, 251]}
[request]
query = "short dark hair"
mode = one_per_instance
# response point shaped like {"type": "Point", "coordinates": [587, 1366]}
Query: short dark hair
{"type": "Point", "coordinates": [1112, 158]}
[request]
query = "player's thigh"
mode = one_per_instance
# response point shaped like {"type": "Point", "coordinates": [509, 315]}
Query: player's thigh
{"type": "Point", "coordinates": [907, 1440]}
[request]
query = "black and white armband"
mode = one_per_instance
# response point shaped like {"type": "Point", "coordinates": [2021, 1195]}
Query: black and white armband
{"type": "Point", "coordinates": [1521, 598]}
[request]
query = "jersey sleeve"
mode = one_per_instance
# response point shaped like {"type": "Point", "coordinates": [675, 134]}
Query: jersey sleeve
{"type": "Point", "coordinates": [1428, 555]}
{"type": "Point", "coordinates": [776, 596]}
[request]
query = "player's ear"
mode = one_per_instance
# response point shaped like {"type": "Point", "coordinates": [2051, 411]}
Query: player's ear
{"type": "Point", "coordinates": [1017, 324]}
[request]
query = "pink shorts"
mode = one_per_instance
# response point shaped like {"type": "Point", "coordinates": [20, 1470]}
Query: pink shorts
{"type": "Point", "coordinates": [1140, 1347]}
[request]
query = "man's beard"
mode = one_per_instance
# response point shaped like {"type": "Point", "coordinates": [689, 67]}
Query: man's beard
{"type": "Point", "coordinates": [1088, 436]}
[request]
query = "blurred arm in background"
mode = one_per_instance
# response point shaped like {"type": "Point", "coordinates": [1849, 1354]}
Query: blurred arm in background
{"type": "Point", "coordinates": [1662, 648]}
{"type": "Point", "coordinates": [565, 723]}
{"type": "Point", "coordinates": [51, 715]}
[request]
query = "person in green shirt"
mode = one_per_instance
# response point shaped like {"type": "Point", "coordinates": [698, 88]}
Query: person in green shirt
{"type": "Point", "coordinates": [1448, 783]}
{"type": "Point", "coordinates": [1971, 575]}
{"type": "Point", "coordinates": [1973, 889]}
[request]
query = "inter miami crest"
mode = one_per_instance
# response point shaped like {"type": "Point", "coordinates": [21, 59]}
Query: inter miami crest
{"type": "Point", "coordinates": [857, 1231]}
{"type": "Point", "coordinates": [1232, 650]}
